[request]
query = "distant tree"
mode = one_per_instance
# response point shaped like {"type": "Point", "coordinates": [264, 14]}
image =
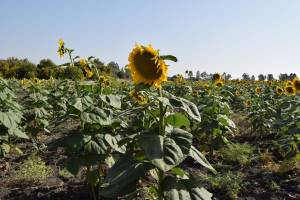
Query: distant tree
{"type": "Point", "coordinates": [261, 77]}
{"type": "Point", "coordinates": [46, 63]}
{"type": "Point", "coordinates": [252, 78]}
{"type": "Point", "coordinates": [198, 75]}
{"type": "Point", "coordinates": [270, 77]}
{"type": "Point", "coordinates": [204, 75]}
{"type": "Point", "coordinates": [283, 77]}
{"type": "Point", "coordinates": [246, 76]}
{"type": "Point", "coordinates": [292, 76]}
{"type": "Point", "coordinates": [190, 74]}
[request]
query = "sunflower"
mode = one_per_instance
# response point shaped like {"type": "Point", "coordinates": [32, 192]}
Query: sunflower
{"type": "Point", "coordinates": [290, 90]}
{"type": "Point", "coordinates": [88, 72]}
{"type": "Point", "coordinates": [296, 84]}
{"type": "Point", "coordinates": [103, 81]}
{"type": "Point", "coordinates": [82, 62]}
{"type": "Point", "coordinates": [195, 93]}
{"type": "Point", "coordinates": [219, 83]}
{"type": "Point", "coordinates": [288, 83]}
{"type": "Point", "coordinates": [279, 90]}
{"type": "Point", "coordinates": [179, 79]}
{"type": "Point", "coordinates": [61, 48]}
{"type": "Point", "coordinates": [138, 97]}
{"type": "Point", "coordinates": [247, 103]}
{"type": "Point", "coordinates": [217, 77]}
{"type": "Point", "coordinates": [146, 66]}
{"type": "Point", "coordinates": [258, 90]}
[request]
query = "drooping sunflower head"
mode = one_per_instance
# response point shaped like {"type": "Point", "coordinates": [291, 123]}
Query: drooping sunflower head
{"type": "Point", "coordinates": [217, 77]}
{"type": "Point", "coordinates": [258, 90]}
{"type": "Point", "coordinates": [179, 79]}
{"type": "Point", "coordinates": [146, 66]}
{"type": "Point", "coordinates": [279, 90]}
{"type": "Point", "coordinates": [290, 90]}
{"type": "Point", "coordinates": [219, 83]}
{"type": "Point", "coordinates": [296, 84]}
{"type": "Point", "coordinates": [61, 48]}
{"type": "Point", "coordinates": [138, 97]}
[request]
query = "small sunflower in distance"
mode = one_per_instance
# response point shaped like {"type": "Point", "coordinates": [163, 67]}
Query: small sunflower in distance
{"type": "Point", "coordinates": [219, 83]}
{"type": "Point", "coordinates": [279, 90]}
{"type": "Point", "coordinates": [296, 84]}
{"type": "Point", "coordinates": [61, 48]}
{"type": "Point", "coordinates": [247, 103]}
{"type": "Point", "coordinates": [258, 90]}
{"type": "Point", "coordinates": [146, 66]}
{"type": "Point", "coordinates": [290, 90]}
{"type": "Point", "coordinates": [138, 97]}
{"type": "Point", "coordinates": [195, 93]}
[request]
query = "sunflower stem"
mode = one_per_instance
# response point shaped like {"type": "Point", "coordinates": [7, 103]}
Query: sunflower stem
{"type": "Point", "coordinates": [162, 115]}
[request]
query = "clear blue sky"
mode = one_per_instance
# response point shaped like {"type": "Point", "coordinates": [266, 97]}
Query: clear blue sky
{"type": "Point", "coordinates": [234, 36]}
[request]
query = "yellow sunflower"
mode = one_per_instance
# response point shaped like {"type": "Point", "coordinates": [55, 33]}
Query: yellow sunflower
{"type": "Point", "coordinates": [82, 62]}
{"type": "Point", "coordinates": [61, 48]}
{"type": "Point", "coordinates": [195, 93]}
{"type": "Point", "coordinates": [219, 83]}
{"type": "Point", "coordinates": [146, 66]}
{"type": "Point", "coordinates": [279, 90]}
{"type": "Point", "coordinates": [217, 77]}
{"type": "Point", "coordinates": [103, 81]}
{"type": "Point", "coordinates": [296, 84]}
{"type": "Point", "coordinates": [290, 90]}
{"type": "Point", "coordinates": [88, 72]}
{"type": "Point", "coordinates": [258, 90]}
{"type": "Point", "coordinates": [247, 103]}
{"type": "Point", "coordinates": [138, 97]}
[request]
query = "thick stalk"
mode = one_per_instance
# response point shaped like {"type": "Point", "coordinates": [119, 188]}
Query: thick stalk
{"type": "Point", "coordinates": [161, 115]}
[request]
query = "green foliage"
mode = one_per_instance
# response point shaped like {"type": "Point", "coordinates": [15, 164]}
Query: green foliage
{"type": "Point", "coordinates": [237, 153]}
{"type": "Point", "coordinates": [230, 183]}
{"type": "Point", "coordinates": [33, 170]}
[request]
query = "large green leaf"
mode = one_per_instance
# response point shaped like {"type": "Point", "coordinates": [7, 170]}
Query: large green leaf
{"type": "Point", "coordinates": [112, 100]}
{"type": "Point", "coordinates": [17, 132]}
{"type": "Point", "coordinates": [200, 158]}
{"type": "Point", "coordinates": [10, 119]}
{"type": "Point", "coordinates": [169, 151]}
{"type": "Point", "coordinates": [72, 142]}
{"type": "Point", "coordinates": [183, 189]}
{"type": "Point", "coordinates": [178, 120]}
{"type": "Point", "coordinates": [123, 177]}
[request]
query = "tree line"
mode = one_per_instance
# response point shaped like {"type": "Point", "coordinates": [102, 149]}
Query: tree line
{"type": "Point", "coordinates": [22, 68]}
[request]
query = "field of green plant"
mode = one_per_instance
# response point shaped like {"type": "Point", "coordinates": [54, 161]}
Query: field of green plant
{"type": "Point", "coordinates": [148, 137]}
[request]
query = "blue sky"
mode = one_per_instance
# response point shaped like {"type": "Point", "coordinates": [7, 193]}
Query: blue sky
{"type": "Point", "coordinates": [234, 36]}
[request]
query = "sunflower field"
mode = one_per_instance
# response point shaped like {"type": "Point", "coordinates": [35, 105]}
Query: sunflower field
{"type": "Point", "coordinates": [148, 137]}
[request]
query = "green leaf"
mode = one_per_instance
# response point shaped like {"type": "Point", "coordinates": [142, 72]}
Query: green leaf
{"type": "Point", "coordinates": [178, 120]}
{"type": "Point", "coordinates": [183, 189]}
{"type": "Point", "coordinates": [123, 177]}
{"type": "Point", "coordinates": [113, 142]}
{"type": "Point", "coordinates": [17, 132]}
{"type": "Point", "coordinates": [166, 152]}
{"type": "Point", "coordinates": [10, 119]}
{"type": "Point", "coordinates": [169, 57]}
{"type": "Point", "coordinates": [225, 121]}
{"type": "Point", "coordinates": [200, 158]}
{"type": "Point", "coordinates": [93, 148]}
{"type": "Point", "coordinates": [112, 100]}
{"type": "Point", "coordinates": [73, 164]}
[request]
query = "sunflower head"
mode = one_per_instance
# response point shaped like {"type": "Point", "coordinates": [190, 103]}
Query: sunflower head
{"type": "Point", "coordinates": [279, 90]}
{"type": "Point", "coordinates": [103, 81]}
{"type": "Point", "coordinates": [247, 103]}
{"type": "Point", "coordinates": [195, 93]}
{"type": "Point", "coordinates": [219, 83]}
{"type": "Point", "coordinates": [61, 48]}
{"type": "Point", "coordinates": [139, 97]}
{"type": "Point", "coordinates": [258, 90]}
{"type": "Point", "coordinates": [179, 79]}
{"type": "Point", "coordinates": [82, 62]}
{"type": "Point", "coordinates": [216, 77]}
{"type": "Point", "coordinates": [296, 84]}
{"type": "Point", "coordinates": [290, 90]}
{"type": "Point", "coordinates": [146, 66]}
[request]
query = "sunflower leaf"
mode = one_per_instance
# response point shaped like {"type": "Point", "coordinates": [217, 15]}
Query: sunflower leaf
{"type": "Point", "coordinates": [169, 57]}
